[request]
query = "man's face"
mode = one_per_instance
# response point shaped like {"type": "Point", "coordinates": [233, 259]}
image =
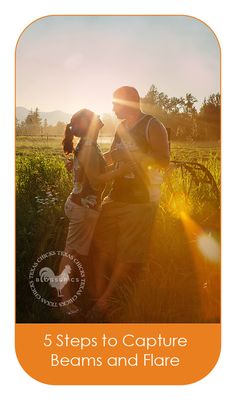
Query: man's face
{"type": "Point", "coordinates": [120, 110]}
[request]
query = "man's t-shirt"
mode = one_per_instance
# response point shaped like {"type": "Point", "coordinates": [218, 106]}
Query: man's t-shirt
{"type": "Point", "coordinates": [136, 186]}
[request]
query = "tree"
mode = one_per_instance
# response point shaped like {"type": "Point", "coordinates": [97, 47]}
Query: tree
{"type": "Point", "coordinates": [189, 104]}
{"type": "Point", "coordinates": [209, 116]}
{"type": "Point", "coordinates": [211, 107]}
{"type": "Point", "coordinates": [174, 105]}
{"type": "Point", "coordinates": [163, 102]}
{"type": "Point", "coordinates": [37, 119]}
{"type": "Point", "coordinates": [18, 127]}
{"type": "Point", "coordinates": [59, 129]}
{"type": "Point", "coordinates": [151, 96]}
{"type": "Point", "coordinates": [33, 122]}
{"type": "Point", "coordinates": [45, 126]}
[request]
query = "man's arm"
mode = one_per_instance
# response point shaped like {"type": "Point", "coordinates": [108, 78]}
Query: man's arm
{"type": "Point", "coordinates": [108, 154]}
{"type": "Point", "coordinates": [89, 159]}
{"type": "Point", "coordinates": [157, 138]}
{"type": "Point", "coordinates": [114, 154]}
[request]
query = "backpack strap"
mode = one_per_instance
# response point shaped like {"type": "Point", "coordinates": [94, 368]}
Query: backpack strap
{"type": "Point", "coordinates": [147, 129]}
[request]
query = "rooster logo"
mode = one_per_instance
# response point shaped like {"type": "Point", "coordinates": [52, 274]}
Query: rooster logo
{"type": "Point", "coordinates": [55, 281]}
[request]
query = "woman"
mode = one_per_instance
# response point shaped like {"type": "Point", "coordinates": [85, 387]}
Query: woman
{"type": "Point", "coordinates": [90, 175]}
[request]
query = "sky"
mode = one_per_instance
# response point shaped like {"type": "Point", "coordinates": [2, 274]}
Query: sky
{"type": "Point", "coordinates": [70, 62]}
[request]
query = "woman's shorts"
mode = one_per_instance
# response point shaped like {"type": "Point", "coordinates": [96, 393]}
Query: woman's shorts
{"type": "Point", "coordinates": [82, 222]}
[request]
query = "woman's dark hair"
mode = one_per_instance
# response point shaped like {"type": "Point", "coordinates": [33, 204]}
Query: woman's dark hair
{"type": "Point", "coordinates": [67, 142]}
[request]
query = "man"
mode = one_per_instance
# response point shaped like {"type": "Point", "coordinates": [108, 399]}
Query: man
{"type": "Point", "coordinates": [128, 212]}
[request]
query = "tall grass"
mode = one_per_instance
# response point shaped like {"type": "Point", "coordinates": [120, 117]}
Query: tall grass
{"type": "Point", "coordinates": [168, 288]}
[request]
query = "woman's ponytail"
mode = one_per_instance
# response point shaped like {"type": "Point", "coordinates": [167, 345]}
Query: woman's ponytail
{"type": "Point", "coordinates": [68, 140]}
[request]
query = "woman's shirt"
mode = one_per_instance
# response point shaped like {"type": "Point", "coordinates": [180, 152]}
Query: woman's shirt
{"type": "Point", "coordinates": [88, 165]}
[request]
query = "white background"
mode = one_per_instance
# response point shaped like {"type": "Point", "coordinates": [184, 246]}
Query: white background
{"type": "Point", "coordinates": [15, 16]}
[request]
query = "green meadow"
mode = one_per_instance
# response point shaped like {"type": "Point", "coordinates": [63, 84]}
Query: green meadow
{"type": "Point", "coordinates": [181, 279]}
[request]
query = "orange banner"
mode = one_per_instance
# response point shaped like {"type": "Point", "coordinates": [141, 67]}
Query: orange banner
{"type": "Point", "coordinates": [125, 354]}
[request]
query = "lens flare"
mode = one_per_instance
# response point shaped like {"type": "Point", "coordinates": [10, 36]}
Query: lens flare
{"type": "Point", "coordinates": [180, 204]}
{"type": "Point", "coordinates": [209, 247]}
{"type": "Point", "coordinates": [128, 103]}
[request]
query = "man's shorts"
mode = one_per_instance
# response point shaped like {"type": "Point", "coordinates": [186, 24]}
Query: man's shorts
{"type": "Point", "coordinates": [124, 231]}
{"type": "Point", "coordinates": [82, 222]}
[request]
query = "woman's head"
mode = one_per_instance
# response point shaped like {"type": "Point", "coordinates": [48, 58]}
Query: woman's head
{"type": "Point", "coordinates": [84, 123]}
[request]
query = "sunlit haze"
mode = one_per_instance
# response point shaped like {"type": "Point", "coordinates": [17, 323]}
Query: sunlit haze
{"type": "Point", "coordinates": [66, 63]}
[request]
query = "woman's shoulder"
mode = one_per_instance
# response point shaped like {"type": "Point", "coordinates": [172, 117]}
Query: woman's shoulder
{"type": "Point", "coordinates": [90, 151]}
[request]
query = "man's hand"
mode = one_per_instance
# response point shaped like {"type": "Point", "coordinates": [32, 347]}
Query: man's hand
{"type": "Point", "coordinates": [128, 166]}
{"type": "Point", "coordinates": [119, 155]}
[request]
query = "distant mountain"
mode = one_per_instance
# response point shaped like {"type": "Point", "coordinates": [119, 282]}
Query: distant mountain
{"type": "Point", "coordinates": [52, 116]}
{"type": "Point", "coordinates": [21, 113]}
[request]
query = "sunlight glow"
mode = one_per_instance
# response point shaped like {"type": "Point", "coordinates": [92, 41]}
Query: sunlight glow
{"type": "Point", "coordinates": [203, 245]}
{"type": "Point", "coordinates": [209, 247]}
{"type": "Point", "coordinates": [123, 102]}
{"type": "Point", "coordinates": [179, 204]}
{"type": "Point", "coordinates": [206, 256]}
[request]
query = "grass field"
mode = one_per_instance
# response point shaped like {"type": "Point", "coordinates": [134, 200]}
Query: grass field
{"type": "Point", "coordinates": [180, 283]}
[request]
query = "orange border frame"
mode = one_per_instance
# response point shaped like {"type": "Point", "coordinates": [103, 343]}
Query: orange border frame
{"type": "Point", "coordinates": [121, 15]}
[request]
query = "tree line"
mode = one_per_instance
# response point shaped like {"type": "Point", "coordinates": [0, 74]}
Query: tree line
{"type": "Point", "coordinates": [178, 114]}
{"type": "Point", "coordinates": [34, 125]}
